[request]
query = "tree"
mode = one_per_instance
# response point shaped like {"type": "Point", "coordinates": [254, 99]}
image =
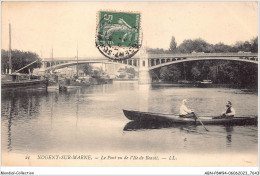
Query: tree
{"type": "Point", "coordinates": [20, 59]}
{"type": "Point", "coordinates": [197, 45]}
{"type": "Point", "coordinates": [171, 73]}
{"type": "Point", "coordinates": [195, 73]}
{"type": "Point", "coordinates": [96, 74]}
{"type": "Point", "coordinates": [222, 48]}
{"type": "Point", "coordinates": [164, 74]}
{"type": "Point", "coordinates": [4, 61]}
{"type": "Point", "coordinates": [247, 46]}
{"type": "Point", "coordinates": [254, 45]}
{"type": "Point", "coordinates": [206, 69]}
{"type": "Point", "coordinates": [130, 71]}
{"type": "Point", "coordinates": [156, 51]}
{"type": "Point", "coordinates": [86, 68]}
{"type": "Point", "coordinates": [173, 45]}
{"type": "Point", "coordinates": [213, 71]}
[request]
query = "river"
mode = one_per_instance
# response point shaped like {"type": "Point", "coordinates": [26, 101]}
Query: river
{"type": "Point", "coordinates": [90, 120]}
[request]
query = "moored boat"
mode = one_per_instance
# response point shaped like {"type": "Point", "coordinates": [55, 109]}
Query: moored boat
{"type": "Point", "coordinates": [13, 81]}
{"type": "Point", "coordinates": [148, 116]}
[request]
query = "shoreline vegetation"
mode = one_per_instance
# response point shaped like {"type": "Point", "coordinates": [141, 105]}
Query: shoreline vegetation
{"type": "Point", "coordinates": [243, 75]}
{"type": "Point", "coordinates": [193, 85]}
{"type": "Point", "coordinates": [240, 75]}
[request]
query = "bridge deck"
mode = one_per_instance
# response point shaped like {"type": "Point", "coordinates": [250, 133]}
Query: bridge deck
{"type": "Point", "coordinates": [155, 60]}
{"type": "Point", "coordinates": [153, 56]}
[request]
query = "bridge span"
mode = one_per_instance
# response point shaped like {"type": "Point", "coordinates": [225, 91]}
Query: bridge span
{"type": "Point", "coordinates": [80, 62]}
{"type": "Point", "coordinates": [146, 62]}
{"type": "Point", "coordinates": [157, 63]}
{"type": "Point", "coordinates": [153, 60]}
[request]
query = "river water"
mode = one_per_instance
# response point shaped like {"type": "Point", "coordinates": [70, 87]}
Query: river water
{"type": "Point", "coordinates": [91, 120]}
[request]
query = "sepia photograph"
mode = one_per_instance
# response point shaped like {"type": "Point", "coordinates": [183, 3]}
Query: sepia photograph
{"type": "Point", "coordinates": [129, 83]}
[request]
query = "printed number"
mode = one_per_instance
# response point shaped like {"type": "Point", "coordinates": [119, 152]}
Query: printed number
{"type": "Point", "coordinates": [27, 157]}
{"type": "Point", "coordinates": [106, 50]}
{"type": "Point", "coordinates": [109, 52]}
{"type": "Point", "coordinates": [108, 17]}
{"type": "Point", "coordinates": [118, 54]}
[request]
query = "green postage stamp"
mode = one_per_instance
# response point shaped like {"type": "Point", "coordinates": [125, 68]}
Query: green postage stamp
{"type": "Point", "coordinates": [118, 34]}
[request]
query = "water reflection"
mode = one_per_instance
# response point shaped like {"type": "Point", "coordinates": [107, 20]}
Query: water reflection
{"type": "Point", "coordinates": [82, 119]}
{"type": "Point", "coordinates": [9, 132]}
{"type": "Point", "coordinates": [152, 124]}
{"type": "Point", "coordinates": [189, 128]}
{"type": "Point", "coordinates": [144, 91]}
{"type": "Point", "coordinates": [16, 105]}
{"type": "Point", "coordinates": [229, 130]}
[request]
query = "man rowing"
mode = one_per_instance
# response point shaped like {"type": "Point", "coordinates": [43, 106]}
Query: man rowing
{"type": "Point", "coordinates": [186, 112]}
{"type": "Point", "coordinates": [230, 111]}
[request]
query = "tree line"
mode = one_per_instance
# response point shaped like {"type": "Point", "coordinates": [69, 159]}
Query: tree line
{"type": "Point", "coordinates": [88, 69]}
{"type": "Point", "coordinates": [200, 45]}
{"type": "Point", "coordinates": [237, 73]}
{"type": "Point", "coordinates": [19, 60]}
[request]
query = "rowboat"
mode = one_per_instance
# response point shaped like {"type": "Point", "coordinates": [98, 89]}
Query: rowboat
{"type": "Point", "coordinates": [174, 119]}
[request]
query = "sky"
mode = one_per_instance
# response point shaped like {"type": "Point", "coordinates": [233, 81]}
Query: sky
{"type": "Point", "coordinates": [41, 26]}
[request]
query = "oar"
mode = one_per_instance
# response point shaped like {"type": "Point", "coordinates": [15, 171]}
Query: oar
{"type": "Point", "coordinates": [200, 122]}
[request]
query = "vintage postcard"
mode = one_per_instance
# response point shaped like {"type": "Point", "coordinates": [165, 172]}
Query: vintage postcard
{"type": "Point", "coordinates": [129, 83]}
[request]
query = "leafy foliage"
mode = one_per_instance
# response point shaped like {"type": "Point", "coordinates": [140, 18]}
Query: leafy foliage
{"type": "Point", "coordinates": [200, 45]}
{"type": "Point", "coordinates": [171, 73]}
{"type": "Point", "coordinates": [86, 68]}
{"type": "Point", "coordinates": [19, 60]}
{"type": "Point", "coordinates": [173, 45]}
{"type": "Point", "coordinates": [220, 72]}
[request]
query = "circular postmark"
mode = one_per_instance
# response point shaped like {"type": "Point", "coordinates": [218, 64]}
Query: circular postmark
{"type": "Point", "coordinates": [118, 34]}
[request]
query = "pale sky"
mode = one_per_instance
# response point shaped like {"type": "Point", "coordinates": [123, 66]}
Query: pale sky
{"type": "Point", "coordinates": [39, 26]}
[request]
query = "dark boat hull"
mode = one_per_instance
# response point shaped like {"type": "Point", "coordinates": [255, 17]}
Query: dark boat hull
{"type": "Point", "coordinates": [24, 84]}
{"type": "Point", "coordinates": [147, 116]}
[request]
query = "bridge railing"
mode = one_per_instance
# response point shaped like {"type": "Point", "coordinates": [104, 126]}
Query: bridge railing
{"type": "Point", "coordinates": [154, 59]}
{"type": "Point", "coordinates": [245, 54]}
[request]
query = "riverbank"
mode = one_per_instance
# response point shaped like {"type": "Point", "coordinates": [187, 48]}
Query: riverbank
{"type": "Point", "coordinates": [82, 82]}
{"type": "Point", "coordinates": [170, 84]}
{"type": "Point", "coordinates": [125, 79]}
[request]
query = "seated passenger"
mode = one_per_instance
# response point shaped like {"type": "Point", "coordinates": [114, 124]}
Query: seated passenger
{"type": "Point", "coordinates": [185, 112]}
{"type": "Point", "coordinates": [230, 111]}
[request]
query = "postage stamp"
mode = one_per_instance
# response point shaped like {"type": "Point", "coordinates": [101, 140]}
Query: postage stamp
{"type": "Point", "coordinates": [118, 34]}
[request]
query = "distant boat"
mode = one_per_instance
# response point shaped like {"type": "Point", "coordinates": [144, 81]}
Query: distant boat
{"type": "Point", "coordinates": [205, 83]}
{"type": "Point", "coordinates": [185, 82]}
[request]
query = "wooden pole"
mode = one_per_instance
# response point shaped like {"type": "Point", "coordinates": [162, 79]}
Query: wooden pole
{"type": "Point", "coordinates": [51, 56]}
{"type": "Point", "coordinates": [10, 49]}
{"type": "Point", "coordinates": [77, 60]}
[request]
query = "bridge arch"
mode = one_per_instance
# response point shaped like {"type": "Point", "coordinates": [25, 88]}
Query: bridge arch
{"type": "Point", "coordinates": [203, 59]}
{"type": "Point", "coordinates": [68, 64]}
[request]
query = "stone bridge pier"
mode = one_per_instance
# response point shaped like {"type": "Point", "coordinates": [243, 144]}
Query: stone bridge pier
{"type": "Point", "coordinates": [144, 74]}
